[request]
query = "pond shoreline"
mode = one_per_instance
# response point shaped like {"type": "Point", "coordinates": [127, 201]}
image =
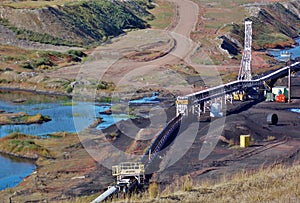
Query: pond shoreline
{"type": "Point", "coordinates": [20, 156]}
{"type": "Point", "coordinates": [3, 88]}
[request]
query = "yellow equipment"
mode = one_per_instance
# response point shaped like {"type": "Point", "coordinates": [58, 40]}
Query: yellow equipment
{"type": "Point", "coordinates": [239, 96]}
{"type": "Point", "coordinates": [245, 141]}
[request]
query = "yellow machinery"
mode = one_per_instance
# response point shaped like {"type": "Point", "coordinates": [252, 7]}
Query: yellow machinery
{"type": "Point", "coordinates": [239, 96]}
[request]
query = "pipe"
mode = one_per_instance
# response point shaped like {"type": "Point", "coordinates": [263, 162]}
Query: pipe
{"type": "Point", "coordinates": [105, 194]}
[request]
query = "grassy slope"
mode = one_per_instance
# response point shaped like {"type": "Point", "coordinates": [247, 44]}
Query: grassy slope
{"type": "Point", "coordinates": [28, 60]}
{"type": "Point", "coordinates": [23, 146]}
{"type": "Point", "coordinates": [163, 12]}
{"type": "Point", "coordinates": [278, 184]}
{"type": "Point", "coordinates": [84, 23]}
{"type": "Point", "coordinates": [14, 60]}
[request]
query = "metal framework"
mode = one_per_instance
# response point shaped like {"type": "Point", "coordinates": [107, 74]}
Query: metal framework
{"type": "Point", "coordinates": [245, 72]}
{"type": "Point", "coordinates": [125, 171]}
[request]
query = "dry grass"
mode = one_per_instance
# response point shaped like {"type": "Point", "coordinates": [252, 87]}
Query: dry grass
{"type": "Point", "coordinates": [163, 12]}
{"type": "Point", "coordinates": [153, 190]}
{"type": "Point", "coordinates": [277, 184]}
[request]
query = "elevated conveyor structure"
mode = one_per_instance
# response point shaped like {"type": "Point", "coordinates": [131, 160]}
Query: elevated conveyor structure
{"type": "Point", "coordinates": [160, 141]}
{"type": "Point", "coordinates": [186, 104]}
{"type": "Point", "coordinates": [131, 175]}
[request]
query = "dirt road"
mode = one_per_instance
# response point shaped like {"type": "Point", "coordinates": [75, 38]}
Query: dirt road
{"type": "Point", "coordinates": [108, 62]}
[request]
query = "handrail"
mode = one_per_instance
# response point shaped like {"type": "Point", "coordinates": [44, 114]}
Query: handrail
{"type": "Point", "coordinates": [230, 87]}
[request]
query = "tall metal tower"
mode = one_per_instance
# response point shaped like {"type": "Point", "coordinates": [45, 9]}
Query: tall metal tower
{"type": "Point", "coordinates": [246, 68]}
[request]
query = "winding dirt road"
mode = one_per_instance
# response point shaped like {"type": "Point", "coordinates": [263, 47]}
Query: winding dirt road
{"type": "Point", "coordinates": [110, 65]}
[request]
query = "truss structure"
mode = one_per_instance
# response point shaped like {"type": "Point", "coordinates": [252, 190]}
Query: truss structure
{"type": "Point", "coordinates": [245, 72]}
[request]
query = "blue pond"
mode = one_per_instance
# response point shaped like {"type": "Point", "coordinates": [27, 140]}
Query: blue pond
{"type": "Point", "coordinates": [13, 171]}
{"type": "Point", "coordinates": [65, 117]}
{"type": "Point", "coordinates": [146, 100]}
{"type": "Point", "coordinates": [295, 52]}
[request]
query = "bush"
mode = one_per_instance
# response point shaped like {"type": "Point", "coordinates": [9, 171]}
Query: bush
{"type": "Point", "coordinates": [153, 190]}
{"type": "Point", "coordinates": [27, 65]}
{"type": "Point", "coordinates": [187, 184]}
{"type": "Point", "coordinates": [76, 53]}
{"type": "Point", "coordinates": [103, 85]}
{"type": "Point", "coordinates": [69, 89]}
{"type": "Point", "coordinates": [42, 61]}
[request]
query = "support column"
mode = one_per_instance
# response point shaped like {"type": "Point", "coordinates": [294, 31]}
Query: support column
{"type": "Point", "coordinates": [221, 102]}
{"type": "Point", "coordinates": [289, 85]}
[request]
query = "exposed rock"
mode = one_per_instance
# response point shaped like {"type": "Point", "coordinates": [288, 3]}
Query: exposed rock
{"type": "Point", "coordinates": [274, 26]}
{"type": "Point", "coordinates": [230, 44]}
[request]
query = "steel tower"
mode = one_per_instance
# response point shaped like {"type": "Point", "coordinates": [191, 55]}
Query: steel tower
{"type": "Point", "coordinates": [245, 68]}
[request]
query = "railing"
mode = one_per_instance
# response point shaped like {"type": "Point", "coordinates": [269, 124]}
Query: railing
{"type": "Point", "coordinates": [161, 139]}
{"type": "Point", "coordinates": [214, 92]}
{"type": "Point", "coordinates": [128, 168]}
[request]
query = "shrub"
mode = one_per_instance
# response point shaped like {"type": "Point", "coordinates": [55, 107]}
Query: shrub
{"type": "Point", "coordinates": [42, 61]}
{"type": "Point", "coordinates": [69, 89]}
{"type": "Point", "coordinates": [27, 65]}
{"type": "Point", "coordinates": [187, 184]}
{"type": "Point", "coordinates": [103, 85]}
{"type": "Point", "coordinates": [76, 53]}
{"type": "Point", "coordinates": [153, 190]}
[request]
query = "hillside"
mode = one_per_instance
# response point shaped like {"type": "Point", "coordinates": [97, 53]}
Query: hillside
{"type": "Point", "coordinates": [220, 30]}
{"type": "Point", "coordinates": [74, 24]}
{"type": "Point", "coordinates": [274, 26]}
